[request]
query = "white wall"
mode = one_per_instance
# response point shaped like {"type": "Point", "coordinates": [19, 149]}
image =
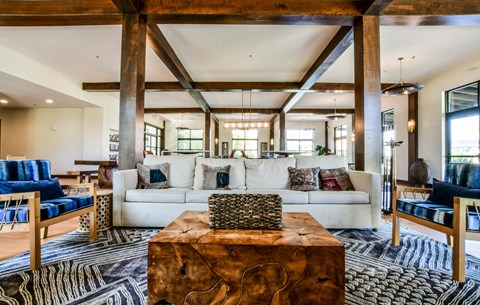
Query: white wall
{"type": "Point", "coordinates": [431, 128]}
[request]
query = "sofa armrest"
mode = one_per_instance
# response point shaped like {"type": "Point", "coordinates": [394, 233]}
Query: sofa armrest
{"type": "Point", "coordinates": [123, 181]}
{"type": "Point", "coordinates": [370, 183]}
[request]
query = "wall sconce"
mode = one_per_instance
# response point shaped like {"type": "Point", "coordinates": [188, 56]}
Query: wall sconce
{"type": "Point", "coordinates": [271, 142]}
{"type": "Point", "coordinates": [411, 126]}
{"type": "Point", "coordinates": [216, 141]}
{"type": "Point", "coordinates": [353, 136]}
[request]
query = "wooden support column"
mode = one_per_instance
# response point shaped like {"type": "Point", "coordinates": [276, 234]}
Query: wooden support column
{"type": "Point", "coordinates": [207, 133]}
{"type": "Point", "coordinates": [162, 139]}
{"type": "Point", "coordinates": [326, 135]}
{"type": "Point", "coordinates": [368, 146]}
{"type": "Point", "coordinates": [412, 137]}
{"type": "Point", "coordinates": [216, 140]}
{"type": "Point", "coordinates": [132, 91]}
{"type": "Point", "coordinates": [282, 131]}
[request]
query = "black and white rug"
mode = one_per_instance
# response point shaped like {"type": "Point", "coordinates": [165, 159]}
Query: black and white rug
{"type": "Point", "coordinates": [113, 270]}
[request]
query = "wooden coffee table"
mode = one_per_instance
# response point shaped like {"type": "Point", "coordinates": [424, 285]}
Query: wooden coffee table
{"type": "Point", "coordinates": [189, 263]}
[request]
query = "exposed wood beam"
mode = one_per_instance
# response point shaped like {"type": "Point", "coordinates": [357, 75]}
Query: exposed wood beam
{"type": "Point", "coordinates": [173, 110]}
{"type": "Point", "coordinates": [283, 132]}
{"type": "Point", "coordinates": [321, 111]}
{"type": "Point", "coordinates": [335, 48]}
{"type": "Point", "coordinates": [375, 7]}
{"type": "Point", "coordinates": [239, 110]}
{"type": "Point", "coordinates": [229, 87]}
{"type": "Point", "coordinates": [132, 91]}
{"type": "Point", "coordinates": [458, 20]}
{"type": "Point", "coordinates": [49, 13]}
{"type": "Point", "coordinates": [433, 8]}
{"type": "Point", "coordinates": [165, 52]}
{"type": "Point", "coordinates": [332, 12]}
{"type": "Point", "coordinates": [128, 6]}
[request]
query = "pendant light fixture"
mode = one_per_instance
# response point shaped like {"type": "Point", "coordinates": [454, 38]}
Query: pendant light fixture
{"type": "Point", "coordinates": [249, 124]}
{"type": "Point", "coordinates": [335, 115]}
{"type": "Point", "coordinates": [401, 88]}
{"type": "Point", "coordinates": [181, 127]}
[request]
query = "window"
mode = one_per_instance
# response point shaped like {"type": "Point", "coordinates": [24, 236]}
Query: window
{"type": "Point", "coordinates": [340, 140]}
{"type": "Point", "coordinates": [300, 140]}
{"type": "Point", "coordinates": [153, 139]}
{"type": "Point", "coordinates": [245, 140]}
{"type": "Point", "coordinates": [190, 139]}
{"type": "Point", "coordinates": [463, 124]}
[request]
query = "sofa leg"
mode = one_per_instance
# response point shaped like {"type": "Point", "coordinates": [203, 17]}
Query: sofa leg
{"type": "Point", "coordinates": [395, 230]}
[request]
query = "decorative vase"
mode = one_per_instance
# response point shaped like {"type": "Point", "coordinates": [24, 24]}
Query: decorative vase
{"type": "Point", "coordinates": [420, 172]}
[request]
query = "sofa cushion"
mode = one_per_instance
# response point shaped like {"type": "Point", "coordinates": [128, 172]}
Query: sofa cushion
{"type": "Point", "coordinates": [24, 170]}
{"type": "Point", "coordinates": [237, 171]}
{"type": "Point", "coordinates": [435, 212]}
{"type": "Point", "coordinates": [443, 192]}
{"type": "Point", "coordinates": [215, 177]}
{"type": "Point", "coordinates": [343, 197]}
{"type": "Point", "coordinates": [304, 179]}
{"type": "Point", "coordinates": [268, 173]}
{"type": "Point", "coordinates": [324, 162]}
{"type": "Point", "coordinates": [152, 176]}
{"type": "Point", "coordinates": [170, 195]}
{"type": "Point", "coordinates": [288, 196]}
{"type": "Point", "coordinates": [335, 179]}
{"type": "Point", "coordinates": [48, 189]}
{"type": "Point", "coordinates": [201, 196]}
{"type": "Point", "coordinates": [180, 173]}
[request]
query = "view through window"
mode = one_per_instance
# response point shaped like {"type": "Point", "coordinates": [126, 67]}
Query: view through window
{"type": "Point", "coordinates": [340, 140]}
{"type": "Point", "coordinates": [245, 140]}
{"type": "Point", "coordinates": [152, 139]}
{"type": "Point", "coordinates": [189, 139]}
{"type": "Point", "coordinates": [300, 140]}
{"type": "Point", "coordinates": [463, 124]}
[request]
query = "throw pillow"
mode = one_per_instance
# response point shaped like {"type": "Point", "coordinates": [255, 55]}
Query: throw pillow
{"type": "Point", "coordinates": [215, 178]}
{"type": "Point", "coordinates": [152, 176]}
{"type": "Point", "coordinates": [49, 189]}
{"type": "Point", "coordinates": [443, 192]}
{"type": "Point", "coordinates": [304, 179]}
{"type": "Point", "coordinates": [336, 179]}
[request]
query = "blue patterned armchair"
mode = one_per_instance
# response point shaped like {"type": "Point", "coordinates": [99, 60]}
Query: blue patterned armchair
{"type": "Point", "coordinates": [30, 200]}
{"type": "Point", "coordinates": [451, 207]}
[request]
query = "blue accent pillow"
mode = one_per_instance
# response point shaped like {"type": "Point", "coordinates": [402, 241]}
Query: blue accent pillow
{"type": "Point", "coordinates": [49, 189]}
{"type": "Point", "coordinates": [443, 192]}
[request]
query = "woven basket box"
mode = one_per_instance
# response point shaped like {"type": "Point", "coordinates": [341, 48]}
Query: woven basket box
{"type": "Point", "coordinates": [245, 211]}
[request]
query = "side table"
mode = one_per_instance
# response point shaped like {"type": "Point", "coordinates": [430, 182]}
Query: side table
{"type": "Point", "coordinates": [104, 212]}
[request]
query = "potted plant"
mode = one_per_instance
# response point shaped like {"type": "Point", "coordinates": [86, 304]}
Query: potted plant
{"type": "Point", "coordinates": [322, 150]}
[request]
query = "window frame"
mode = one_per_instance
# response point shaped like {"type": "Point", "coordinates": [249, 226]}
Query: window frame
{"type": "Point", "coordinates": [342, 138]}
{"type": "Point", "coordinates": [190, 139]}
{"type": "Point", "coordinates": [300, 140]}
{"type": "Point", "coordinates": [157, 148]}
{"type": "Point", "coordinates": [459, 114]}
{"type": "Point", "coordinates": [245, 140]}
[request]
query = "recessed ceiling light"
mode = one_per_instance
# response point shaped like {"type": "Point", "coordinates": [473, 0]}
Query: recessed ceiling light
{"type": "Point", "coordinates": [49, 101]}
{"type": "Point", "coordinates": [3, 101]}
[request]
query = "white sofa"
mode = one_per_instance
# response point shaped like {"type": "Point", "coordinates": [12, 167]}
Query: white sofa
{"type": "Point", "coordinates": [158, 207]}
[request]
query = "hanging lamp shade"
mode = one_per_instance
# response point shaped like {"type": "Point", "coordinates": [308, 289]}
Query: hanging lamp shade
{"type": "Point", "coordinates": [401, 88]}
{"type": "Point", "coordinates": [181, 127]}
{"type": "Point", "coordinates": [335, 115]}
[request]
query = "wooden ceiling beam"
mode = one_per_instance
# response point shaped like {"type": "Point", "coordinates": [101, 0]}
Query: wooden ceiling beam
{"type": "Point", "coordinates": [342, 40]}
{"type": "Point", "coordinates": [433, 8]}
{"type": "Point", "coordinates": [375, 7]}
{"type": "Point", "coordinates": [165, 52]}
{"type": "Point", "coordinates": [59, 13]}
{"type": "Point", "coordinates": [229, 87]}
{"type": "Point", "coordinates": [129, 6]}
{"type": "Point", "coordinates": [321, 111]}
{"type": "Point", "coordinates": [254, 110]}
{"type": "Point", "coordinates": [173, 110]}
{"type": "Point", "coordinates": [246, 111]}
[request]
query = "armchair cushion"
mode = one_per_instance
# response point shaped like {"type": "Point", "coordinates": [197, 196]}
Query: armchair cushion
{"type": "Point", "coordinates": [443, 192]}
{"type": "Point", "coordinates": [48, 189]}
{"type": "Point", "coordinates": [438, 213]}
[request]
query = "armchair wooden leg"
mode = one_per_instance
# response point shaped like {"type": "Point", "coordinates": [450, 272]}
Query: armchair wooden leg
{"type": "Point", "coordinates": [395, 230]}
{"type": "Point", "coordinates": [459, 234]}
{"type": "Point", "coordinates": [93, 226]}
{"type": "Point", "coordinates": [35, 247]}
{"type": "Point", "coordinates": [449, 239]}
{"type": "Point", "coordinates": [45, 232]}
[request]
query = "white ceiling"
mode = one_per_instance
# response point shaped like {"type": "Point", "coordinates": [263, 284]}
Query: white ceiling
{"type": "Point", "coordinates": [230, 53]}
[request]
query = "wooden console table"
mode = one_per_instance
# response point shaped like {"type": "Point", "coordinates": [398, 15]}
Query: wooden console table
{"type": "Point", "coordinates": [190, 263]}
{"type": "Point", "coordinates": [105, 171]}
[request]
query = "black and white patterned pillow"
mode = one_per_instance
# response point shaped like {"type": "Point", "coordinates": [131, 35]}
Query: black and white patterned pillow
{"type": "Point", "coordinates": [153, 176]}
{"type": "Point", "coordinates": [215, 178]}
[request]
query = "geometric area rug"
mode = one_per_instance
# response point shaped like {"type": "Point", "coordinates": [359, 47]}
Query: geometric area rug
{"type": "Point", "coordinates": [113, 270]}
